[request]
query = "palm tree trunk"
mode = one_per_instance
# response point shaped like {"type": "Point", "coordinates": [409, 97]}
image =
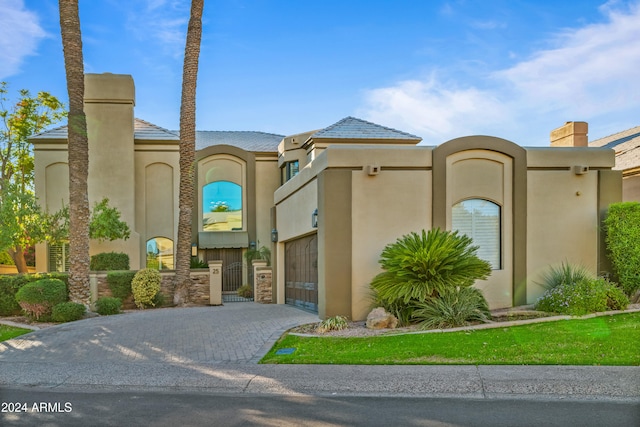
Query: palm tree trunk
{"type": "Point", "coordinates": [182, 278]}
{"type": "Point", "coordinates": [78, 150]}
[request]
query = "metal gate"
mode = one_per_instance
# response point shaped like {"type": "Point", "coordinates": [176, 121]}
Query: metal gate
{"type": "Point", "coordinates": [231, 272]}
{"type": "Point", "coordinates": [301, 272]}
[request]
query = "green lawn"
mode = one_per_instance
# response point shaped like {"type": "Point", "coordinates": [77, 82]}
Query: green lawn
{"type": "Point", "coordinates": [8, 332]}
{"type": "Point", "coordinates": [607, 340]}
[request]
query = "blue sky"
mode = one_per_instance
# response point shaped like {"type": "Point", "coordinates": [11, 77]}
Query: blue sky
{"type": "Point", "coordinates": [440, 69]}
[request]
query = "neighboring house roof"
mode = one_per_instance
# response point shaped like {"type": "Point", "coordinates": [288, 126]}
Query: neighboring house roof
{"type": "Point", "coordinates": [145, 131]}
{"type": "Point", "coordinates": [354, 128]}
{"type": "Point", "coordinates": [626, 144]}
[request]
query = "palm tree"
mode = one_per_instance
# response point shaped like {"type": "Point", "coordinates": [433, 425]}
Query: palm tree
{"type": "Point", "coordinates": [78, 150]}
{"type": "Point", "coordinates": [182, 278]}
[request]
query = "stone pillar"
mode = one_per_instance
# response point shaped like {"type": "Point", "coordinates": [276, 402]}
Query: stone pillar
{"type": "Point", "coordinates": [263, 278]}
{"type": "Point", "coordinates": [215, 282]}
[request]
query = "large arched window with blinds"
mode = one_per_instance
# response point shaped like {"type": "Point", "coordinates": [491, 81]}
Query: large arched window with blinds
{"type": "Point", "coordinates": [481, 220]}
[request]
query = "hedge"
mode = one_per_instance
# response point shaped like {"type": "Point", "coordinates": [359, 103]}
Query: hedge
{"type": "Point", "coordinates": [10, 284]}
{"type": "Point", "coordinates": [107, 261]}
{"type": "Point", "coordinates": [623, 243]}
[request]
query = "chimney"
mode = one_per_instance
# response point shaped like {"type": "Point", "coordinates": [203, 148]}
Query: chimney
{"type": "Point", "coordinates": [572, 134]}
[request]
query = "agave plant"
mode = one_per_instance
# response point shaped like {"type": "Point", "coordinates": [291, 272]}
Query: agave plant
{"type": "Point", "coordinates": [565, 274]}
{"type": "Point", "coordinates": [455, 307]}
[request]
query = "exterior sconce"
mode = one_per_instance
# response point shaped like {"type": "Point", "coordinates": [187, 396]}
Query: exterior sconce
{"type": "Point", "coordinates": [252, 245]}
{"type": "Point", "coordinates": [314, 219]}
{"type": "Point", "coordinates": [274, 235]}
{"type": "Point", "coordinates": [194, 250]}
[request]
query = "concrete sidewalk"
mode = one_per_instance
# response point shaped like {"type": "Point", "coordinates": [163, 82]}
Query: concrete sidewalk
{"type": "Point", "coordinates": [216, 349]}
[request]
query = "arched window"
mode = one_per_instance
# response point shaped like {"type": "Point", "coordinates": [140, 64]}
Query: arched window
{"type": "Point", "coordinates": [480, 219]}
{"type": "Point", "coordinates": [222, 206]}
{"type": "Point", "coordinates": [160, 253]}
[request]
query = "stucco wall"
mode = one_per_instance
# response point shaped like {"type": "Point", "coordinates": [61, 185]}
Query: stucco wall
{"type": "Point", "coordinates": [384, 207]}
{"type": "Point", "coordinates": [562, 223]}
{"type": "Point", "coordinates": [563, 219]}
{"type": "Point", "coordinates": [156, 189]}
{"type": "Point", "coordinates": [267, 181]}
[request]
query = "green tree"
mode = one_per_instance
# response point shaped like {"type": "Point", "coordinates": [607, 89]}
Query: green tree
{"type": "Point", "coordinates": [187, 151]}
{"type": "Point", "coordinates": [104, 224]}
{"type": "Point", "coordinates": [18, 208]}
{"type": "Point", "coordinates": [78, 150]}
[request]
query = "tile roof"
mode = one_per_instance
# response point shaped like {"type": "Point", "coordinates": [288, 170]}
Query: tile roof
{"type": "Point", "coordinates": [626, 144]}
{"type": "Point", "coordinates": [148, 131]}
{"type": "Point", "coordinates": [142, 130]}
{"type": "Point", "coordinates": [145, 131]}
{"type": "Point", "coordinates": [247, 140]}
{"type": "Point", "coordinates": [354, 128]}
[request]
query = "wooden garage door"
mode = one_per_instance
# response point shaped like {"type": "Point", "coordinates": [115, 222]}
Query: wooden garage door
{"type": "Point", "coordinates": [301, 272]}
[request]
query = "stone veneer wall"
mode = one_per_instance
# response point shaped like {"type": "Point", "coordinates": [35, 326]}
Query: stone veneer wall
{"type": "Point", "coordinates": [263, 290]}
{"type": "Point", "coordinates": [198, 293]}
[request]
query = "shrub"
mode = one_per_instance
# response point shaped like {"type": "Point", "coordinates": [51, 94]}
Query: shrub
{"type": "Point", "coordinates": [422, 267]}
{"type": "Point", "coordinates": [197, 263]}
{"type": "Point", "coordinates": [582, 297]}
{"type": "Point", "coordinates": [145, 285]}
{"type": "Point", "coordinates": [159, 300]}
{"type": "Point", "coordinates": [565, 274]}
{"type": "Point", "coordinates": [120, 283]}
{"type": "Point", "coordinates": [10, 284]}
{"type": "Point", "coordinates": [454, 307]}
{"type": "Point", "coordinates": [107, 261]}
{"type": "Point", "coordinates": [336, 323]}
{"type": "Point", "coordinates": [245, 291]}
{"type": "Point", "coordinates": [68, 312]}
{"type": "Point", "coordinates": [38, 298]}
{"type": "Point", "coordinates": [623, 243]}
{"type": "Point", "coordinates": [108, 305]}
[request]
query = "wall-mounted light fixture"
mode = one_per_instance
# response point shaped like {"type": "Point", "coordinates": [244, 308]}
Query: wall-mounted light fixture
{"type": "Point", "coordinates": [252, 245]}
{"type": "Point", "coordinates": [314, 218]}
{"type": "Point", "coordinates": [194, 249]}
{"type": "Point", "coordinates": [274, 235]}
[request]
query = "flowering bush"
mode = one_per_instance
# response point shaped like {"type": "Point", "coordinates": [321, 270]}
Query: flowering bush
{"type": "Point", "coordinates": [145, 286]}
{"type": "Point", "coordinates": [582, 297]}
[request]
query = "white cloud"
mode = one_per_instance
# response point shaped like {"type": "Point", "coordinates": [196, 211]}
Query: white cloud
{"type": "Point", "coordinates": [20, 33]}
{"type": "Point", "coordinates": [592, 69]}
{"type": "Point", "coordinates": [590, 72]}
{"type": "Point", "coordinates": [431, 108]}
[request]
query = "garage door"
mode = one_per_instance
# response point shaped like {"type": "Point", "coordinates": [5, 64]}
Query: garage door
{"type": "Point", "coordinates": [301, 272]}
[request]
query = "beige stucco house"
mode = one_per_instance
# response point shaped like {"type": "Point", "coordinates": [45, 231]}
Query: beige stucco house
{"type": "Point", "coordinates": [326, 202]}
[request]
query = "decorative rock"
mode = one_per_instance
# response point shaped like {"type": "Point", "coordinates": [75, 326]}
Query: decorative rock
{"type": "Point", "coordinates": [380, 319]}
